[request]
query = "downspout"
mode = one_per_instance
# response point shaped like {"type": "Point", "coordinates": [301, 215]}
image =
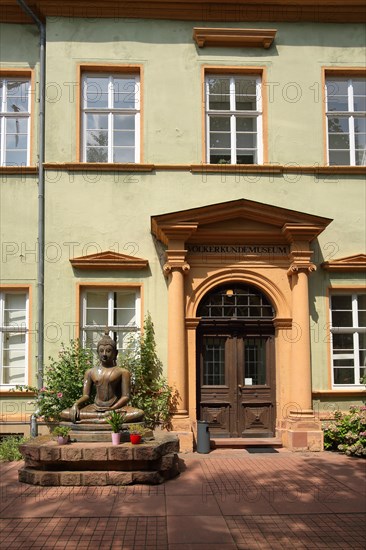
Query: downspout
{"type": "Point", "coordinates": [41, 189]}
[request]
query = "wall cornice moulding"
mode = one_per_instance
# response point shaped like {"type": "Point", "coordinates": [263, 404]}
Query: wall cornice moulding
{"type": "Point", "coordinates": [347, 264]}
{"type": "Point", "coordinates": [319, 11]}
{"type": "Point", "coordinates": [236, 38]}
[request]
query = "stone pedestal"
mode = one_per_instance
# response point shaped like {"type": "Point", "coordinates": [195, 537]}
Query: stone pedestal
{"type": "Point", "coordinates": [98, 463]}
{"type": "Point", "coordinates": [304, 434]}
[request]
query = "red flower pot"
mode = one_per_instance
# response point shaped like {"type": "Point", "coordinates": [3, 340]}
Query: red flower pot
{"type": "Point", "coordinates": [135, 439]}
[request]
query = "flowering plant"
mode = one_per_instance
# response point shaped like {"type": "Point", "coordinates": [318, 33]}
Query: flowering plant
{"type": "Point", "coordinates": [346, 432]}
{"type": "Point", "coordinates": [115, 420]}
{"type": "Point", "coordinates": [63, 381]}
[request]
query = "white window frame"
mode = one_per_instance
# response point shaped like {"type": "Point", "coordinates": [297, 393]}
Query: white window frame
{"type": "Point", "coordinates": [355, 330]}
{"type": "Point", "coordinates": [234, 114]}
{"type": "Point", "coordinates": [7, 115]}
{"type": "Point", "coordinates": [350, 114]}
{"type": "Point", "coordinates": [110, 111]}
{"type": "Point", "coordinates": [113, 329]}
{"type": "Point", "coordinates": [14, 329]}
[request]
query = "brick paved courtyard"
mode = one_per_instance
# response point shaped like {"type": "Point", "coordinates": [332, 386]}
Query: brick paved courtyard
{"type": "Point", "coordinates": [226, 500]}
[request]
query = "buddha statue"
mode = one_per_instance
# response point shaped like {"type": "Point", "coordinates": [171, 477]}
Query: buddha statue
{"type": "Point", "coordinates": [112, 384]}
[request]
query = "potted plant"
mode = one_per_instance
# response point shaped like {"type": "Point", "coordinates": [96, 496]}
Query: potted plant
{"type": "Point", "coordinates": [62, 434]}
{"type": "Point", "coordinates": [136, 433]}
{"type": "Point", "coordinates": [116, 420]}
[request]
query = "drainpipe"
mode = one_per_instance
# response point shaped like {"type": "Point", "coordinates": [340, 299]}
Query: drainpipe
{"type": "Point", "coordinates": [41, 189]}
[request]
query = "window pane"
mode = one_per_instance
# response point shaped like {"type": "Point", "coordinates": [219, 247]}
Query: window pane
{"type": "Point", "coordinates": [218, 156]}
{"type": "Point", "coordinates": [339, 103]}
{"type": "Point", "coordinates": [343, 362]}
{"type": "Point", "coordinates": [339, 158]}
{"type": "Point", "coordinates": [338, 141]}
{"type": "Point", "coordinates": [362, 340]}
{"type": "Point", "coordinates": [123, 154]}
{"type": "Point", "coordinates": [361, 299]}
{"type": "Point", "coordinates": [342, 302]}
{"type": "Point", "coordinates": [125, 308]}
{"type": "Point", "coordinates": [342, 319]}
{"type": "Point", "coordinates": [245, 87]}
{"type": "Point", "coordinates": [359, 103]}
{"type": "Point", "coordinates": [124, 122]}
{"type": "Point", "coordinates": [359, 86]}
{"type": "Point", "coordinates": [214, 361]}
{"type": "Point", "coordinates": [125, 93]}
{"type": "Point", "coordinates": [246, 103]}
{"type": "Point", "coordinates": [361, 158]}
{"type": "Point", "coordinates": [124, 138]}
{"type": "Point", "coordinates": [97, 122]}
{"type": "Point", "coordinates": [17, 125]}
{"type": "Point", "coordinates": [219, 102]}
{"type": "Point", "coordinates": [97, 308]}
{"type": "Point", "coordinates": [342, 341]}
{"type": "Point", "coordinates": [96, 154]}
{"type": "Point", "coordinates": [247, 141]}
{"type": "Point", "coordinates": [245, 124]}
{"type": "Point", "coordinates": [97, 138]}
{"type": "Point", "coordinates": [219, 124]}
{"type": "Point", "coordinates": [220, 140]}
{"type": "Point", "coordinates": [17, 97]}
{"type": "Point", "coordinates": [344, 376]}
{"type": "Point", "coordinates": [255, 360]}
{"type": "Point", "coordinates": [16, 141]}
{"type": "Point", "coordinates": [338, 124]}
{"type": "Point", "coordinates": [219, 93]}
{"type": "Point", "coordinates": [97, 92]}
{"type": "Point", "coordinates": [246, 157]}
{"type": "Point", "coordinates": [14, 310]}
{"type": "Point", "coordinates": [362, 318]}
{"type": "Point", "coordinates": [360, 140]}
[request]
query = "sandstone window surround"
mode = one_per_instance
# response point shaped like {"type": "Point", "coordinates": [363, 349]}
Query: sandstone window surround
{"type": "Point", "coordinates": [233, 117]}
{"type": "Point", "coordinates": [110, 121]}
{"type": "Point", "coordinates": [345, 100]}
{"type": "Point", "coordinates": [15, 115]}
{"type": "Point", "coordinates": [117, 309]}
{"type": "Point", "coordinates": [348, 336]}
{"type": "Point", "coordinates": [14, 336]}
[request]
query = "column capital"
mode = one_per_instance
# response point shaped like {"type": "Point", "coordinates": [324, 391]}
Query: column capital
{"type": "Point", "coordinates": [170, 266]}
{"type": "Point", "coordinates": [297, 267]}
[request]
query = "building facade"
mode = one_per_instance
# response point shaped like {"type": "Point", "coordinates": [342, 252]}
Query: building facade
{"type": "Point", "coordinates": [202, 162]}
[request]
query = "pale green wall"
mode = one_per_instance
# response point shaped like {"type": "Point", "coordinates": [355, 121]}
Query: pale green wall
{"type": "Point", "coordinates": [172, 82]}
{"type": "Point", "coordinates": [110, 208]}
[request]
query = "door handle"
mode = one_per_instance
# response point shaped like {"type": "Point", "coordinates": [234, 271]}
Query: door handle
{"type": "Point", "coordinates": [240, 387]}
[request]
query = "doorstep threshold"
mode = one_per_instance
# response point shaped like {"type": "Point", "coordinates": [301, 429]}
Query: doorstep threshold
{"type": "Point", "coordinates": [243, 442]}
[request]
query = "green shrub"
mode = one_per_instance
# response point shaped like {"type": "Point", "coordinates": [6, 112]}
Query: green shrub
{"type": "Point", "coordinates": [347, 432]}
{"type": "Point", "coordinates": [63, 381]}
{"type": "Point", "coordinates": [150, 390]}
{"type": "Point", "coordinates": [9, 447]}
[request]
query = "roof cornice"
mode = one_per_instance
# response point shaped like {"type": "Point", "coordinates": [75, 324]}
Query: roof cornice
{"type": "Point", "coordinates": [323, 11]}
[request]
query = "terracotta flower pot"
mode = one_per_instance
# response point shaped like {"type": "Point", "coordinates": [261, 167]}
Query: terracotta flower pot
{"type": "Point", "coordinates": [116, 438]}
{"type": "Point", "coordinates": [135, 439]}
{"type": "Point", "coordinates": [62, 440]}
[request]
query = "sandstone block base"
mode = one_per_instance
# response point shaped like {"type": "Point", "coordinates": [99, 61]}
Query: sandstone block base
{"type": "Point", "coordinates": [97, 463]}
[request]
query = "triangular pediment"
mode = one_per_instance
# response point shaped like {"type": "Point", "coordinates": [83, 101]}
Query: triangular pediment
{"type": "Point", "coordinates": [109, 260]}
{"type": "Point", "coordinates": [356, 262]}
{"type": "Point", "coordinates": [236, 221]}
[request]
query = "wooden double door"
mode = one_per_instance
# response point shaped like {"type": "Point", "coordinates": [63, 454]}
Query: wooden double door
{"type": "Point", "coordinates": [236, 379]}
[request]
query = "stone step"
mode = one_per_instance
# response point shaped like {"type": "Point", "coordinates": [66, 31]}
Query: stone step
{"type": "Point", "coordinates": [244, 442]}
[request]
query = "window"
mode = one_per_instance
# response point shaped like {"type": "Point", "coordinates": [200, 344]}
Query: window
{"type": "Point", "coordinates": [117, 310]}
{"type": "Point", "coordinates": [14, 121]}
{"type": "Point", "coordinates": [346, 121]}
{"type": "Point", "coordinates": [111, 118]}
{"type": "Point", "coordinates": [234, 119]}
{"type": "Point", "coordinates": [13, 338]}
{"type": "Point", "coordinates": [348, 329]}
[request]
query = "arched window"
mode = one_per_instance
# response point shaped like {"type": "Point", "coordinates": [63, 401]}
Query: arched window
{"type": "Point", "coordinates": [235, 301]}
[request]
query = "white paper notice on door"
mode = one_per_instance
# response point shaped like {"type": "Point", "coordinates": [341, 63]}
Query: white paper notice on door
{"type": "Point", "coordinates": [248, 381]}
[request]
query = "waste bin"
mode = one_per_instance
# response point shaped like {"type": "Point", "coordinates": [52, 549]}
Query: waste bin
{"type": "Point", "coordinates": [203, 437]}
